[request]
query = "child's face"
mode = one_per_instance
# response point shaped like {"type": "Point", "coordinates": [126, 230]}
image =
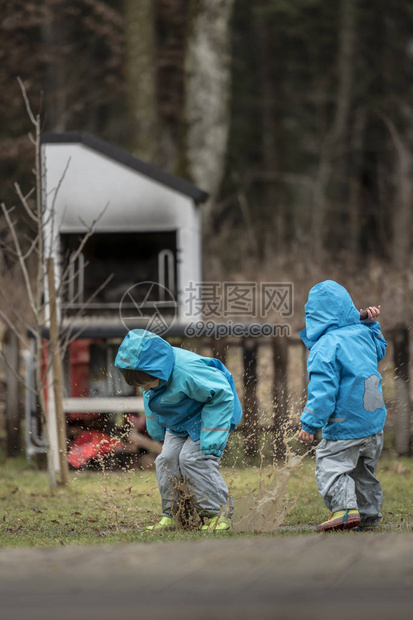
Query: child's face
{"type": "Point", "coordinates": [151, 384]}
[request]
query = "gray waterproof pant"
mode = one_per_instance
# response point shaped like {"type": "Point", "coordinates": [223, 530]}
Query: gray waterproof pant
{"type": "Point", "coordinates": [345, 476]}
{"type": "Point", "coordinates": [181, 458]}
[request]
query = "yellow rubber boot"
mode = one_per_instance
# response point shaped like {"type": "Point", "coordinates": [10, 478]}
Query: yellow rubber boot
{"type": "Point", "coordinates": [165, 524]}
{"type": "Point", "coordinates": [340, 520]}
{"type": "Point", "coordinates": [217, 524]}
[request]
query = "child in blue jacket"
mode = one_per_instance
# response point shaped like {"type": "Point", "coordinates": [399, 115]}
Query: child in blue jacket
{"type": "Point", "coordinates": [192, 406]}
{"type": "Point", "coordinates": [345, 400]}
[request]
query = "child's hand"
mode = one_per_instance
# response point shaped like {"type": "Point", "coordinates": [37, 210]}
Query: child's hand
{"type": "Point", "coordinates": [306, 437]}
{"type": "Point", "coordinates": [372, 312]}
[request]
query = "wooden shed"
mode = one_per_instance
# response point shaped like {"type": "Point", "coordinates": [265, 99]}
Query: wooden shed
{"type": "Point", "coordinates": [146, 226]}
{"type": "Point", "coordinates": [145, 237]}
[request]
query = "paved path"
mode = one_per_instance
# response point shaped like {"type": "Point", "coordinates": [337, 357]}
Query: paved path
{"type": "Point", "coordinates": [314, 577]}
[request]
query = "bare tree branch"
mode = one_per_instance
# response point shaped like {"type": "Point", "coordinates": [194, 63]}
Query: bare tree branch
{"type": "Point", "coordinates": [22, 262]}
{"type": "Point", "coordinates": [90, 232]}
{"type": "Point", "coordinates": [51, 215]}
{"type": "Point", "coordinates": [32, 248]}
{"type": "Point", "coordinates": [26, 101]}
{"type": "Point", "coordinates": [16, 374]}
{"type": "Point", "coordinates": [44, 218]}
{"type": "Point", "coordinates": [13, 328]}
{"type": "Point", "coordinates": [23, 200]}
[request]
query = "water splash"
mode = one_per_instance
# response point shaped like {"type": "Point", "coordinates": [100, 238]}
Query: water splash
{"type": "Point", "coordinates": [184, 507]}
{"type": "Point", "coordinates": [266, 506]}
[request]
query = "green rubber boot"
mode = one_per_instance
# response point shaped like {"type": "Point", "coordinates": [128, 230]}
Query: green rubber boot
{"type": "Point", "coordinates": [217, 524]}
{"type": "Point", "coordinates": [165, 524]}
{"type": "Point", "coordinates": [340, 520]}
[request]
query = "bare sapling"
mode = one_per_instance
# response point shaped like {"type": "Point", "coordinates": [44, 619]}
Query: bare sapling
{"type": "Point", "coordinates": [43, 289]}
{"type": "Point", "coordinates": [33, 279]}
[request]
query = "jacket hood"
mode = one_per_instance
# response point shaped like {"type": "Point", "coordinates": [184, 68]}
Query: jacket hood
{"type": "Point", "coordinates": [329, 306]}
{"type": "Point", "coordinates": [142, 350]}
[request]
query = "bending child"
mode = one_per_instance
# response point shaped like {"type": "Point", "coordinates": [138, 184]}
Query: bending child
{"type": "Point", "coordinates": [345, 400]}
{"type": "Point", "coordinates": [192, 406]}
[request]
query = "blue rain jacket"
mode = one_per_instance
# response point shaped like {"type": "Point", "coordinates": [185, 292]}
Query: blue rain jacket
{"type": "Point", "coordinates": [196, 395]}
{"type": "Point", "coordinates": [345, 395]}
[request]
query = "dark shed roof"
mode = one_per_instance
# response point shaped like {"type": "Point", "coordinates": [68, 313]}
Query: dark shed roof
{"type": "Point", "coordinates": [125, 158]}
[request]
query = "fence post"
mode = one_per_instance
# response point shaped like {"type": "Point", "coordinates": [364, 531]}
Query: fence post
{"type": "Point", "coordinates": [13, 405]}
{"type": "Point", "coordinates": [219, 348]}
{"type": "Point", "coordinates": [280, 395]}
{"type": "Point", "coordinates": [402, 399]}
{"type": "Point", "coordinates": [250, 427]}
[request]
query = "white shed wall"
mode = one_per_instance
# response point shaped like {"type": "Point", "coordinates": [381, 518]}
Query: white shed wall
{"type": "Point", "coordinates": [189, 268]}
{"type": "Point", "coordinates": [78, 184]}
{"type": "Point", "coordinates": [92, 181]}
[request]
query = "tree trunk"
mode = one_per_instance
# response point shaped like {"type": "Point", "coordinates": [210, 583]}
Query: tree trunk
{"type": "Point", "coordinates": [207, 94]}
{"type": "Point", "coordinates": [141, 77]}
{"type": "Point", "coordinates": [56, 368]}
{"type": "Point", "coordinates": [355, 185]}
{"type": "Point", "coordinates": [402, 217]}
{"type": "Point", "coordinates": [401, 368]}
{"type": "Point", "coordinates": [333, 149]}
{"type": "Point", "coordinates": [273, 214]}
{"type": "Point", "coordinates": [54, 36]}
{"type": "Point", "coordinates": [178, 91]}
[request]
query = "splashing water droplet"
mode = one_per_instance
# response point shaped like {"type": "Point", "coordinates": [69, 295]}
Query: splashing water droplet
{"type": "Point", "coordinates": [265, 507]}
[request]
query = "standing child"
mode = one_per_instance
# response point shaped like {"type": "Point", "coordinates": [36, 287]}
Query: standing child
{"type": "Point", "coordinates": [190, 404]}
{"type": "Point", "coordinates": [345, 400]}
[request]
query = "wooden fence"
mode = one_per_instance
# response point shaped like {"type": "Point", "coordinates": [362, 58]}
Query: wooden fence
{"type": "Point", "coordinates": [398, 402]}
{"type": "Point", "coordinates": [251, 348]}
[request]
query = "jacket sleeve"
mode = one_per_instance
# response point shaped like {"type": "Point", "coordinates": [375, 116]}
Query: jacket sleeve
{"type": "Point", "coordinates": [209, 386]}
{"type": "Point", "coordinates": [323, 386]}
{"type": "Point", "coordinates": [155, 430]}
{"type": "Point", "coordinates": [379, 340]}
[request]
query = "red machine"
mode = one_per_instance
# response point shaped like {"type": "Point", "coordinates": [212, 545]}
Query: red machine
{"type": "Point", "coordinates": [93, 435]}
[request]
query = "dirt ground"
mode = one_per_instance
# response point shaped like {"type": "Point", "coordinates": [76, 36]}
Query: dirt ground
{"type": "Point", "coordinates": [345, 575]}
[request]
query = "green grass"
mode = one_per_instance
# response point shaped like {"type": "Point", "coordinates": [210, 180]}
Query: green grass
{"type": "Point", "coordinates": [395, 476]}
{"type": "Point", "coordinates": [115, 507]}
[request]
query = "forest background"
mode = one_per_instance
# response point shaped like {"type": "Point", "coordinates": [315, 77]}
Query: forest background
{"type": "Point", "coordinates": [295, 115]}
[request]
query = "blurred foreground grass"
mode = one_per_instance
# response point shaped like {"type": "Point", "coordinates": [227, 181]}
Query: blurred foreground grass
{"type": "Point", "coordinates": [115, 507]}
